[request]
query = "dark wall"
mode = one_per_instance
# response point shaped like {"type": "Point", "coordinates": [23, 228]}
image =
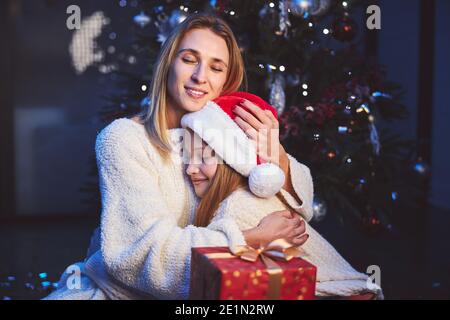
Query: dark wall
{"type": "Point", "coordinates": [56, 109]}
{"type": "Point", "coordinates": [441, 108]}
{"type": "Point", "coordinates": [399, 50]}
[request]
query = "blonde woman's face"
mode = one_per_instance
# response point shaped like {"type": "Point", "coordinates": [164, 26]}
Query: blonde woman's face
{"type": "Point", "coordinates": [202, 166]}
{"type": "Point", "coordinates": [198, 72]}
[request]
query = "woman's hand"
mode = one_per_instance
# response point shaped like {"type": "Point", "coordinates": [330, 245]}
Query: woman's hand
{"type": "Point", "coordinates": [262, 128]}
{"type": "Point", "coordinates": [278, 224]}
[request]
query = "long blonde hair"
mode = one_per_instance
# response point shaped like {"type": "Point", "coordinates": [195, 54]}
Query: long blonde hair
{"type": "Point", "coordinates": [154, 117]}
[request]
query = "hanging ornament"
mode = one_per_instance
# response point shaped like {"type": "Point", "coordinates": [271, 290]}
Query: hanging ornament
{"type": "Point", "coordinates": [141, 19]}
{"type": "Point", "coordinates": [166, 24]}
{"type": "Point", "coordinates": [374, 140]}
{"type": "Point", "coordinates": [305, 8]}
{"type": "Point", "coordinates": [277, 96]}
{"type": "Point", "coordinates": [319, 209]}
{"type": "Point", "coordinates": [344, 28]}
{"type": "Point", "coordinates": [421, 168]}
{"type": "Point", "coordinates": [284, 22]}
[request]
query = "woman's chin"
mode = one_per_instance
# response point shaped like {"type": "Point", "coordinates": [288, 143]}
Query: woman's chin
{"type": "Point", "coordinates": [192, 105]}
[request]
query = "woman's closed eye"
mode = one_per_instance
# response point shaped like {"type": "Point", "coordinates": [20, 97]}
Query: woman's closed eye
{"type": "Point", "coordinates": [189, 60]}
{"type": "Point", "coordinates": [194, 61]}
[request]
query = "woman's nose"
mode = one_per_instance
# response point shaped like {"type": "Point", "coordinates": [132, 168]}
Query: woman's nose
{"type": "Point", "coordinates": [199, 74]}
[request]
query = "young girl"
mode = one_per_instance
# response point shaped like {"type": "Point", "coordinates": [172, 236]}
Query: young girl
{"type": "Point", "coordinates": [243, 189]}
{"type": "Point", "coordinates": [143, 246]}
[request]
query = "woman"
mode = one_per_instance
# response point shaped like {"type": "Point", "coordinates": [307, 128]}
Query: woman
{"type": "Point", "coordinates": [143, 247]}
{"type": "Point", "coordinates": [229, 188]}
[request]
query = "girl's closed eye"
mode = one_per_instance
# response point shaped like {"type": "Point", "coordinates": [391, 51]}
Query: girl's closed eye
{"type": "Point", "coordinates": [209, 156]}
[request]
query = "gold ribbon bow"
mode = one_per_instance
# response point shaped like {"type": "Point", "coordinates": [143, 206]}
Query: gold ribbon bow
{"type": "Point", "coordinates": [278, 249]}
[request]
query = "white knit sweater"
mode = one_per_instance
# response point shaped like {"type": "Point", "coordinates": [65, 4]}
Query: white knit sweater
{"type": "Point", "coordinates": [335, 276]}
{"type": "Point", "coordinates": [148, 208]}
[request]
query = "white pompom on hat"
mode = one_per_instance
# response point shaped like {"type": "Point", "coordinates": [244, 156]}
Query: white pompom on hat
{"type": "Point", "coordinates": [215, 125]}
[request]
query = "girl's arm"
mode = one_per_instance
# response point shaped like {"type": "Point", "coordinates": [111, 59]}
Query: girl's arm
{"type": "Point", "coordinates": [264, 220]}
{"type": "Point", "coordinates": [141, 244]}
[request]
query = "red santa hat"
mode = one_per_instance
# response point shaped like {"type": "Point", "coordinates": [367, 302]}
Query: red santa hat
{"type": "Point", "coordinates": [215, 125]}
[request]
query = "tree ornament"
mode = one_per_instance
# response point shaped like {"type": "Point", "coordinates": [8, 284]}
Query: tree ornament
{"type": "Point", "coordinates": [166, 24]}
{"type": "Point", "coordinates": [319, 209]}
{"type": "Point", "coordinates": [305, 8]}
{"type": "Point", "coordinates": [284, 23]}
{"type": "Point", "coordinates": [141, 19]}
{"type": "Point", "coordinates": [374, 140]}
{"type": "Point", "coordinates": [344, 28]}
{"type": "Point", "coordinates": [277, 96]}
{"type": "Point", "coordinates": [421, 168]}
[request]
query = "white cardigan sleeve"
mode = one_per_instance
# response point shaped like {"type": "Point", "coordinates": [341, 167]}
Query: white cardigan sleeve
{"type": "Point", "coordinates": [141, 244]}
{"type": "Point", "coordinates": [303, 187]}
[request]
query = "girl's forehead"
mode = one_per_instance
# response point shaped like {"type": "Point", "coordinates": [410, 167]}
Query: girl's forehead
{"type": "Point", "coordinates": [194, 140]}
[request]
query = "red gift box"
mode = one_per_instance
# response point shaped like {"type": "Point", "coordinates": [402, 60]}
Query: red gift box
{"type": "Point", "coordinates": [218, 275]}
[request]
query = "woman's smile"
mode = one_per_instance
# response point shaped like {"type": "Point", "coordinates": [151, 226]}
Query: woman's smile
{"type": "Point", "coordinates": [195, 93]}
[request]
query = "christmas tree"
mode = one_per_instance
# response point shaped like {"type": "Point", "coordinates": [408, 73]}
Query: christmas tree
{"type": "Point", "coordinates": [306, 57]}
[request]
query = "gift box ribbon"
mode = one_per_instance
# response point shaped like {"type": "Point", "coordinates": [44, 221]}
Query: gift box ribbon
{"type": "Point", "coordinates": [278, 249]}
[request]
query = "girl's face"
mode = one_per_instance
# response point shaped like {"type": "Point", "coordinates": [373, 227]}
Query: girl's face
{"type": "Point", "coordinates": [202, 165]}
{"type": "Point", "coordinates": [198, 71]}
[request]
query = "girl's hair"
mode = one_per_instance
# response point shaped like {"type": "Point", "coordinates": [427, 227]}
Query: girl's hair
{"type": "Point", "coordinates": [225, 182]}
{"type": "Point", "coordinates": [154, 117]}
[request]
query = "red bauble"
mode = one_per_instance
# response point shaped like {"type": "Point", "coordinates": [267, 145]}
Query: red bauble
{"type": "Point", "coordinates": [344, 28]}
